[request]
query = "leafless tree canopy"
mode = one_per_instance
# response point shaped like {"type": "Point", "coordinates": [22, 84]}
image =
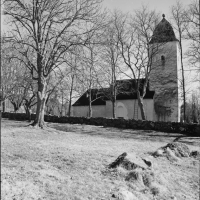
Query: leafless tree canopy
{"type": "Point", "coordinates": [192, 17]}
{"type": "Point", "coordinates": [44, 30]}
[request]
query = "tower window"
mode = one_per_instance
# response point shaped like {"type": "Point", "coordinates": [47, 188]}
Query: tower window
{"type": "Point", "coordinates": [163, 60]}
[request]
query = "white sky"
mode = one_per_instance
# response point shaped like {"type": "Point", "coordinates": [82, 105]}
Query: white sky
{"type": "Point", "coordinates": [162, 6]}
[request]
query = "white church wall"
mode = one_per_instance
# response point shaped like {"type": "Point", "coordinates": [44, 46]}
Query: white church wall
{"type": "Point", "coordinates": [125, 109]}
{"type": "Point", "coordinates": [83, 111]}
{"type": "Point", "coordinates": [108, 113]}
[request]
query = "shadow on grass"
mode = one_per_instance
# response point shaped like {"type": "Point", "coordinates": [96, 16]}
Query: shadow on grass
{"type": "Point", "coordinates": [108, 132]}
{"type": "Point", "coordinates": [15, 123]}
{"type": "Point", "coordinates": [115, 133]}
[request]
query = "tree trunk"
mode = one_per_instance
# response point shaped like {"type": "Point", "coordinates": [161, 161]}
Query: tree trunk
{"type": "Point", "coordinates": [113, 90]}
{"type": "Point", "coordinates": [90, 104]}
{"type": "Point", "coordinates": [70, 96]}
{"type": "Point", "coordinates": [183, 79]}
{"type": "Point", "coordinates": [70, 103]}
{"type": "Point", "coordinates": [41, 102]}
{"type": "Point", "coordinates": [62, 105]}
{"type": "Point", "coordinates": [141, 105]}
{"type": "Point", "coordinates": [15, 106]}
{"type": "Point", "coordinates": [4, 106]}
{"type": "Point", "coordinates": [28, 112]}
{"type": "Point", "coordinates": [114, 108]}
{"type": "Point", "coordinates": [114, 98]}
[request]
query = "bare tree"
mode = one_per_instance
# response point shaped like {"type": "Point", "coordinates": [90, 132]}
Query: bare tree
{"type": "Point", "coordinates": [43, 30]}
{"type": "Point", "coordinates": [9, 72]}
{"type": "Point", "coordinates": [178, 17]}
{"type": "Point", "coordinates": [110, 61]}
{"type": "Point", "coordinates": [192, 17]}
{"type": "Point", "coordinates": [73, 62]}
{"type": "Point", "coordinates": [135, 34]}
{"type": "Point", "coordinates": [193, 109]}
{"type": "Point", "coordinates": [57, 92]}
{"type": "Point", "coordinates": [29, 102]}
{"type": "Point", "coordinates": [88, 77]}
{"type": "Point", "coordinates": [16, 79]}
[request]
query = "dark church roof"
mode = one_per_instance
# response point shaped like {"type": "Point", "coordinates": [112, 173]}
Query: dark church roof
{"type": "Point", "coordinates": [125, 90]}
{"type": "Point", "coordinates": [163, 32]}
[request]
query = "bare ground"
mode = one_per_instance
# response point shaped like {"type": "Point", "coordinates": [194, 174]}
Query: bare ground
{"type": "Point", "coordinates": [67, 161]}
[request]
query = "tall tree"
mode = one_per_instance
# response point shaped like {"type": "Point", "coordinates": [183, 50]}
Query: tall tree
{"type": "Point", "coordinates": [30, 99]}
{"type": "Point", "coordinates": [88, 77]}
{"type": "Point", "coordinates": [135, 33]}
{"type": "Point", "coordinates": [178, 17]}
{"type": "Point", "coordinates": [43, 31]}
{"type": "Point", "coordinates": [111, 60]}
{"type": "Point", "coordinates": [73, 61]}
{"type": "Point", "coordinates": [192, 17]}
{"type": "Point", "coordinates": [16, 79]}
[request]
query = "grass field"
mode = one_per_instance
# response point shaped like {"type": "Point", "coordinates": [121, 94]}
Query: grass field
{"type": "Point", "coordinates": [67, 161]}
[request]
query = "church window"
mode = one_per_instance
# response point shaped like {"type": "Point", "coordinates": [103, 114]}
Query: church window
{"type": "Point", "coordinates": [163, 60]}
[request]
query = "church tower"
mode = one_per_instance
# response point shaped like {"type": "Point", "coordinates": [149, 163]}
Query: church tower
{"type": "Point", "coordinates": [165, 73]}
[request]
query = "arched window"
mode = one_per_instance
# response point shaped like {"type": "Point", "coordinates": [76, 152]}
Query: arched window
{"type": "Point", "coordinates": [163, 60]}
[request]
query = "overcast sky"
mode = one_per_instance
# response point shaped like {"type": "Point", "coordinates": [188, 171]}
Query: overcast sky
{"type": "Point", "coordinates": [162, 6]}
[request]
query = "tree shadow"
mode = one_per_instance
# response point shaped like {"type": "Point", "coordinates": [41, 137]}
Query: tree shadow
{"type": "Point", "coordinates": [116, 133]}
{"type": "Point", "coordinates": [195, 141]}
{"type": "Point", "coordinates": [15, 123]}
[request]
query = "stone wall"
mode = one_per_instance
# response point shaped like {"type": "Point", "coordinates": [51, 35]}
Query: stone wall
{"type": "Point", "coordinates": [170, 127]}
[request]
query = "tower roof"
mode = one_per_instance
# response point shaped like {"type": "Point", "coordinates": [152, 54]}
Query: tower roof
{"type": "Point", "coordinates": [163, 32]}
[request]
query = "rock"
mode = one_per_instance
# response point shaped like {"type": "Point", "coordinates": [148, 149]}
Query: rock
{"type": "Point", "coordinates": [147, 162]}
{"type": "Point", "coordinates": [157, 188]}
{"type": "Point", "coordinates": [140, 179]}
{"type": "Point", "coordinates": [134, 176]}
{"type": "Point", "coordinates": [114, 196]}
{"type": "Point", "coordinates": [159, 152]}
{"type": "Point", "coordinates": [180, 149]}
{"type": "Point", "coordinates": [171, 155]}
{"type": "Point", "coordinates": [173, 151]}
{"type": "Point", "coordinates": [130, 162]}
{"type": "Point", "coordinates": [148, 178]}
{"type": "Point", "coordinates": [118, 161]}
{"type": "Point", "coordinates": [195, 154]}
{"type": "Point", "coordinates": [124, 194]}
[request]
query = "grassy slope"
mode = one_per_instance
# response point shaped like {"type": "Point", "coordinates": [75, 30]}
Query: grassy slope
{"type": "Point", "coordinates": [67, 162]}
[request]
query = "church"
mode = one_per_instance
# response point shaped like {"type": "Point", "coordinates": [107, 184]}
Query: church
{"type": "Point", "coordinates": [162, 101]}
